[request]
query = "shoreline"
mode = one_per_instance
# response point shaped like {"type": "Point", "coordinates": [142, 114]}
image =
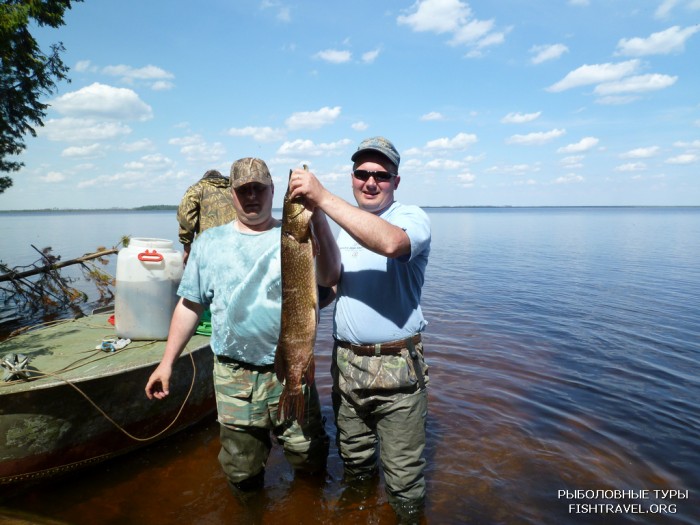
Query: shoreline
{"type": "Point", "coordinates": [166, 207]}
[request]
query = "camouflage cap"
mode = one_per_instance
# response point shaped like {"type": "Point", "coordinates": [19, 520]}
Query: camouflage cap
{"type": "Point", "coordinates": [380, 145]}
{"type": "Point", "coordinates": [212, 174]}
{"type": "Point", "coordinates": [248, 170]}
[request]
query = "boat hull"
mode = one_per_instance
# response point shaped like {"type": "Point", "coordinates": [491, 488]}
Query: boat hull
{"type": "Point", "coordinates": [83, 405]}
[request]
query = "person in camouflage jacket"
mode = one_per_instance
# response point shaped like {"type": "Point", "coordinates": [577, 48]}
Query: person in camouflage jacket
{"type": "Point", "coordinates": [206, 203]}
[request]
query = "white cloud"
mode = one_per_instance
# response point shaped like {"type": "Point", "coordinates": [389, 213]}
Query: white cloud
{"type": "Point", "coordinates": [433, 115]}
{"type": "Point", "coordinates": [438, 16]}
{"type": "Point", "coordinates": [570, 178]}
{"type": "Point", "coordinates": [263, 134]}
{"type": "Point", "coordinates": [53, 177]}
{"type": "Point", "coordinates": [537, 138]}
{"type": "Point", "coordinates": [82, 151]}
{"type": "Point", "coordinates": [548, 52]}
{"type": "Point", "coordinates": [83, 65]}
{"type": "Point", "coordinates": [520, 118]}
{"type": "Point", "coordinates": [138, 145]}
{"type": "Point", "coordinates": [458, 142]}
{"type": "Point", "coordinates": [127, 179]}
{"type": "Point", "coordinates": [162, 85]}
{"type": "Point", "coordinates": [616, 100]}
{"type": "Point", "coordinates": [472, 32]}
{"type": "Point", "coordinates": [631, 166]}
{"type": "Point", "coordinates": [671, 40]}
{"type": "Point", "coordinates": [299, 148]}
{"type": "Point", "coordinates": [584, 144]}
{"type": "Point", "coordinates": [514, 169]}
{"type": "Point", "coordinates": [681, 144]}
{"type": "Point", "coordinates": [466, 179]}
{"type": "Point", "coordinates": [640, 153]}
{"type": "Point", "coordinates": [664, 9]}
{"type": "Point", "coordinates": [595, 74]}
{"type": "Point", "coordinates": [334, 56]}
{"type": "Point", "coordinates": [455, 17]}
{"type": "Point", "coordinates": [151, 163]}
{"type": "Point", "coordinates": [283, 12]}
{"type": "Point", "coordinates": [85, 166]}
{"type": "Point", "coordinates": [82, 130]}
{"type": "Point", "coordinates": [686, 158]}
{"type": "Point", "coordinates": [159, 78]}
{"type": "Point", "coordinates": [334, 176]}
{"type": "Point", "coordinates": [370, 56]}
{"type": "Point", "coordinates": [572, 162]}
{"type": "Point", "coordinates": [493, 39]}
{"type": "Point", "coordinates": [194, 148]}
{"type": "Point", "coordinates": [103, 101]}
{"type": "Point", "coordinates": [359, 126]}
{"type": "Point", "coordinates": [444, 165]}
{"type": "Point", "coordinates": [636, 84]}
{"type": "Point", "coordinates": [313, 119]}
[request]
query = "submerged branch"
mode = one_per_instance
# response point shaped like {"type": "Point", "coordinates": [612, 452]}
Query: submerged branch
{"type": "Point", "coordinates": [11, 275]}
{"type": "Point", "coordinates": [41, 287]}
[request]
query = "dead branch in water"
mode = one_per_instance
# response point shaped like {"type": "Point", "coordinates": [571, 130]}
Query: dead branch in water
{"type": "Point", "coordinates": [49, 266]}
{"type": "Point", "coordinates": [50, 291]}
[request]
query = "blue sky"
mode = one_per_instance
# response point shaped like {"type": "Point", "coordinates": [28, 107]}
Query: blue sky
{"type": "Point", "coordinates": [518, 102]}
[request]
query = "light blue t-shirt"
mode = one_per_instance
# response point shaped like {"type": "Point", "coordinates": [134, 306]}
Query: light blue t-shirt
{"type": "Point", "coordinates": [237, 275]}
{"type": "Point", "coordinates": [379, 298]}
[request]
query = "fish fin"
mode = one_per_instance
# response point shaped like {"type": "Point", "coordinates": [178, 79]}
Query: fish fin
{"type": "Point", "coordinates": [317, 309]}
{"type": "Point", "coordinates": [315, 246]}
{"type": "Point", "coordinates": [291, 405]}
{"type": "Point", "coordinates": [280, 364]}
{"type": "Point", "coordinates": [310, 374]}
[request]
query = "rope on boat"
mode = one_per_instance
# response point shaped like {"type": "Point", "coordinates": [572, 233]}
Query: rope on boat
{"type": "Point", "coordinates": [68, 368]}
{"type": "Point", "coordinates": [117, 425]}
{"type": "Point", "coordinates": [41, 374]}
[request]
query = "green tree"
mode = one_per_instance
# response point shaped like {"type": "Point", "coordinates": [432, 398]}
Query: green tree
{"type": "Point", "coordinates": [26, 74]}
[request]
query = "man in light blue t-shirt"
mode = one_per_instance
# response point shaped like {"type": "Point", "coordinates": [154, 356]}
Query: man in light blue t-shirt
{"type": "Point", "coordinates": [379, 375]}
{"type": "Point", "coordinates": [235, 270]}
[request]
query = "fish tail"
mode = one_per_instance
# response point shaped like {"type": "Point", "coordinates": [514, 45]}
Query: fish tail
{"type": "Point", "coordinates": [291, 405]}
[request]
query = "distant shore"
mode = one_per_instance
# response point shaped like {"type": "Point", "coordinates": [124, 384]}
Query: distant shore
{"type": "Point", "coordinates": [169, 207]}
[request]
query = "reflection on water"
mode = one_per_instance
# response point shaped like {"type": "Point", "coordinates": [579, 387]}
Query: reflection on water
{"type": "Point", "coordinates": [563, 347]}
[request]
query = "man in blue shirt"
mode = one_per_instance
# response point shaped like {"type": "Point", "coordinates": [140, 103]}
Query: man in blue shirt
{"type": "Point", "coordinates": [235, 270]}
{"type": "Point", "coordinates": [379, 374]}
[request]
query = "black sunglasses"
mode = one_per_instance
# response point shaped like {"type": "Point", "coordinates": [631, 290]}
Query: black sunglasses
{"type": "Point", "coordinates": [379, 176]}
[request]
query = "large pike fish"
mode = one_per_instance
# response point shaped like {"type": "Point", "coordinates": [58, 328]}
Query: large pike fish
{"type": "Point", "coordinates": [294, 359]}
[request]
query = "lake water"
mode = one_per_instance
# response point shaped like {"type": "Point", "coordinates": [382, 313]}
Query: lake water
{"type": "Point", "coordinates": [564, 346]}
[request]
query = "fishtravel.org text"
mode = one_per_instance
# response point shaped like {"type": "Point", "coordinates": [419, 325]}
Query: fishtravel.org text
{"type": "Point", "coordinates": [611, 501]}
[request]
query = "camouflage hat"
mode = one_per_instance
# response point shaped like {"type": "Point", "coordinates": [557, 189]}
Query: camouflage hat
{"type": "Point", "coordinates": [248, 170]}
{"type": "Point", "coordinates": [209, 174]}
{"type": "Point", "coordinates": [380, 145]}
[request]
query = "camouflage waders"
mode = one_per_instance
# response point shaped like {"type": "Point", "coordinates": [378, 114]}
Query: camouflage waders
{"type": "Point", "coordinates": [379, 401]}
{"type": "Point", "coordinates": [246, 399]}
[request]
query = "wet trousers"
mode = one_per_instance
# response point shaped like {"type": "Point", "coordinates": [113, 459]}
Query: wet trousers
{"type": "Point", "coordinates": [398, 429]}
{"type": "Point", "coordinates": [247, 402]}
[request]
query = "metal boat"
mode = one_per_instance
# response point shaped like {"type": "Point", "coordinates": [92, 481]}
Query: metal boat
{"type": "Point", "coordinates": [80, 399]}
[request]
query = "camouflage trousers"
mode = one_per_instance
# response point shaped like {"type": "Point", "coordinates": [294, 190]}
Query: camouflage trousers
{"type": "Point", "coordinates": [378, 403]}
{"type": "Point", "coordinates": [247, 400]}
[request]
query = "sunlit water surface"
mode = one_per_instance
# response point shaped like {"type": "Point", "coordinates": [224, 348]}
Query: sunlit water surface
{"type": "Point", "coordinates": [563, 347]}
